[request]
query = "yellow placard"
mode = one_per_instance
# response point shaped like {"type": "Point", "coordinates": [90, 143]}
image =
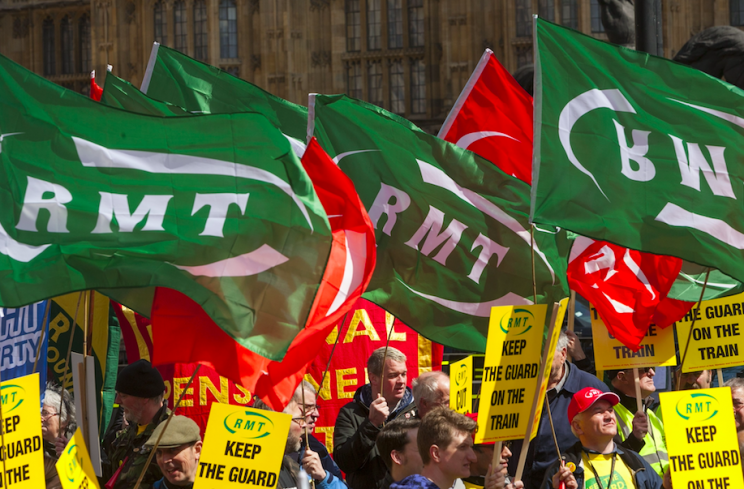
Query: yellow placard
{"type": "Point", "coordinates": [21, 424]}
{"type": "Point", "coordinates": [657, 348]}
{"type": "Point", "coordinates": [512, 364]}
{"type": "Point", "coordinates": [548, 365]}
{"type": "Point", "coordinates": [243, 447]}
{"type": "Point", "coordinates": [718, 334]}
{"type": "Point", "coordinates": [74, 467]}
{"type": "Point", "coordinates": [461, 385]}
{"type": "Point", "coordinates": [701, 439]}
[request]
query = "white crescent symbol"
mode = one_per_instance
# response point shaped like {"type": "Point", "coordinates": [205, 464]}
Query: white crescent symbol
{"type": "Point", "coordinates": [468, 139]}
{"type": "Point", "coordinates": [244, 265]}
{"type": "Point", "coordinates": [581, 105]}
{"type": "Point", "coordinates": [479, 309]}
{"type": "Point", "coordinates": [338, 158]}
{"type": "Point", "coordinates": [723, 115]}
{"type": "Point", "coordinates": [6, 135]}
{"type": "Point", "coordinates": [18, 251]}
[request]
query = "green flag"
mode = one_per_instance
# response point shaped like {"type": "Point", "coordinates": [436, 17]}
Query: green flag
{"type": "Point", "coordinates": [452, 230]}
{"type": "Point", "coordinates": [119, 93]}
{"type": "Point", "coordinates": [638, 150]}
{"type": "Point", "coordinates": [217, 207]}
{"type": "Point", "coordinates": [200, 88]}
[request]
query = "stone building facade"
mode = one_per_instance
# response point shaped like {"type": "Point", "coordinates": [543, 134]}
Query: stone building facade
{"type": "Point", "coordinates": [410, 56]}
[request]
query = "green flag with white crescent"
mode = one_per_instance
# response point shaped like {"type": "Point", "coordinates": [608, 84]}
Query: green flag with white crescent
{"type": "Point", "coordinates": [217, 207]}
{"type": "Point", "coordinates": [453, 237]}
{"type": "Point", "coordinates": [638, 150]}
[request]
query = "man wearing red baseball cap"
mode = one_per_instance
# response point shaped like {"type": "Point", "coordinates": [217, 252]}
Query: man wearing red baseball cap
{"type": "Point", "coordinates": [597, 461]}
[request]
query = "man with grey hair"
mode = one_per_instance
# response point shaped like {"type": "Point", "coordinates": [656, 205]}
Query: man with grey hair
{"type": "Point", "coordinates": [430, 390]}
{"type": "Point", "coordinates": [564, 381]}
{"type": "Point", "coordinates": [383, 399]}
{"type": "Point", "coordinates": [737, 397]}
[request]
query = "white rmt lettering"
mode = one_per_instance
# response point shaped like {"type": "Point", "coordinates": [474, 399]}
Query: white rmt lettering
{"type": "Point", "coordinates": [488, 249]}
{"type": "Point", "coordinates": [116, 206]}
{"type": "Point", "coordinates": [719, 181]}
{"type": "Point", "coordinates": [431, 229]}
{"type": "Point", "coordinates": [646, 170]}
{"type": "Point", "coordinates": [218, 206]}
{"type": "Point", "coordinates": [34, 201]}
{"type": "Point", "coordinates": [383, 204]}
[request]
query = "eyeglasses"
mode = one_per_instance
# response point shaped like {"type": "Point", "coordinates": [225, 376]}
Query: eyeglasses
{"type": "Point", "coordinates": [47, 414]}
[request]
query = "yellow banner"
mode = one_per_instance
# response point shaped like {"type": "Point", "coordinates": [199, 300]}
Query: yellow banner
{"type": "Point", "coordinates": [23, 452]}
{"type": "Point", "coordinates": [512, 363]}
{"type": "Point", "coordinates": [243, 447]}
{"type": "Point", "coordinates": [74, 467]}
{"type": "Point", "coordinates": [657, 348]}
{"type": "Point", "coordinates": [701, 439]}
{"type": "Point", "coordinates": [719, 330]}
{"type": "Point", "coordinates": [461, 385]}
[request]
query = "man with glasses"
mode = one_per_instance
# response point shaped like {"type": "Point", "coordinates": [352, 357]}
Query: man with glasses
{"type": "Point", "coordinates": [737, 396]}
{"type": "Point", "coordinates": [643, 431]}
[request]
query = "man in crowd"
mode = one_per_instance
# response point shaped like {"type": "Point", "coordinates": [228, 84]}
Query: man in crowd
{"type": "Point", "coordinates": [398, 449]}
{"type": "Point", "coordinates": [564, 381]}
{"type": "Point", "coordinates": [385, 398]}
{"type": "Point", "coordinates": [445, 443]}
{"type": "Point", "coordinates": [596, 461]}
{"type": "Point", "coordinates": [694, 380]}
{"type": "Point", "coordinates": [737, 396]}
{"type": "Point", "coordinates": [139, 391]}
{"type": "Point", "coordinates": [644, 431]}
{"type": "Point", "coordinates": [484, 459]}
{"type": "Point", "coordinates": [430, 390]}
{"type": "Point", "coordinates": [178, 452]}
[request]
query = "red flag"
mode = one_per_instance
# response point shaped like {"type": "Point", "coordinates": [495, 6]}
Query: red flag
{"type": "Point", "coordinates": [493, 118]}
{"type": "Point", "coordinates": [95, 90]}
{"type": "Point", "coordinates": [182, 332]}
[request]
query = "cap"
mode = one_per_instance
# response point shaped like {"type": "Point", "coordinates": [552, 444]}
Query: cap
{"type": "Point", "coordinates": [474, 417]}
{"type": "Point", "coordinates": [585, 398]}
{"type": "Point", "coordinates": [181, 431]}
{"type": "Point", "coordinates": [140, 379]}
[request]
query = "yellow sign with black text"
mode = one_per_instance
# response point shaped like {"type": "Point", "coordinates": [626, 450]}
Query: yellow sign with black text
{"type": "Point", "coordinates": [719, 330]}
{"type": "Point", "coordinates": [243, 447]}
{"type": "Point", "coordinates": [657, 348]}
{"type": "Point", "coordinates": [74, 467]}
{"type": "Point", "coordinates": [510, 371]}
{"type": "Point", "coordinates": [701, 439]}
{"type": "Point", "coordinates": [461, 385]}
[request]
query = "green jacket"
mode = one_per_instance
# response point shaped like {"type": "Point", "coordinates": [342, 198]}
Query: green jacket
{"type": "Point", "coordinates": [128, 451]}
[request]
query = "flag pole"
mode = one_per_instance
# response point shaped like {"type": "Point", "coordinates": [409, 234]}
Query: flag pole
{"type": "Point", "coordinates": [304, 419]}
{"type": "Point", "coordinates": [167, 422]}
{"type": "Point", "coordinates": [532, 259]}
{"type": "Point", "coordinates": [333, 350]}
{"type": "Point", "coordinates": [720, 377]}
{"type": "Point", "coordinates": [384, 356]}
{"type": "Point", "coordinates": [43, 332]}
{"type": "Point", "coordinates": [571, 315]}
{"type": "Point", "coordinates": [694, 317]}
{"type": "Point", "coordinates": [2, 440]}
{"type": "Point", "coordinates": [637, 382]}
{"type": "Point", "coordinates": [69, 349]}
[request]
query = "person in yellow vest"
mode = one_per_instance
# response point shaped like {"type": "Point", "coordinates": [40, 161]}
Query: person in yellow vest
{"type": "Point", "coordinates": [649, 428]}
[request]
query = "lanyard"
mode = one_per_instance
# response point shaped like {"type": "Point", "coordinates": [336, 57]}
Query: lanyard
{"type": "Point", "coordinates": [596, 475]}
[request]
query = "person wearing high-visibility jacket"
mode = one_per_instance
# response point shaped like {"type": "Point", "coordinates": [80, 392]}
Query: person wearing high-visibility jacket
{"type": "Point", "coordinates": [648, 427]}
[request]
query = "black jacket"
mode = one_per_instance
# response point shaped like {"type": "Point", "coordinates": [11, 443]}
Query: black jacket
{"type": "Point", "coordinates": [644, 477]}
{"type": "Point", "coordinates": [354, 439]}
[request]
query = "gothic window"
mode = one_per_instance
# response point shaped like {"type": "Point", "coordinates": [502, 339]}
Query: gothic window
{"type": "Point", "coordinates": [200, 30]}
{"type": "Point", "coordinates": [524, 23]}
{"type": "Point", "coordinates": [233, 70]}
{"type": "Point", "coordinates": [524, 56]}
{"type": "Point", "coordinates": [418, 86]}
{"type": "Point", "coordinates": [159, 23]}
{"type": "Point", "coordinates": [416, 23]}
{"type": "Point", "coordinates": [395, 24]}
{"type": "Point", "coordinates": [179, 25]}
{"type": "Point", "coordinates": [228, 29]}
{"type": "Point", "coordinates": [569, 14]}
{"type": "Point", "coordinates": [736, 8]}
{"type": "Point", "coordinates": [353, 26]}
{"type": "Point", "coordinates": [374, 24]}
{"type": "Point", "coordinates": [354, 80]}
{"type": "Point", "coordinates": [47, 33]}
{"type": "Point", "coordinates": [596, 14]}
{"type": "Point", "coordinates": [374, 82]}
{"type": "Point", "coordinates": [546, 10]}
{"type": "Point", "coordinates": [397, 88]}
{"type": "Point", "coordinates": [67, 40]}
{"type": "Point", "coordinates": [84, 44]}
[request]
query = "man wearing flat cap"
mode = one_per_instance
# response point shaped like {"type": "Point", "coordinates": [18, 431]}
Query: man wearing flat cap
{"type": "Point", "coordinates": [139, 391]}
{"type": "Point", "coordinates": [178, 452]}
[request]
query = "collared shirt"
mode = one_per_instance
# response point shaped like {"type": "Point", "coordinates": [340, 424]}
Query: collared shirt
{"type": "Point", "coordinates": [559, 386]}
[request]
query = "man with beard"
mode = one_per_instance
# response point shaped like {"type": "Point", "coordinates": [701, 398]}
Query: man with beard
{"type": "Point", "coordinates": [139, 392]}
{"type": "Point", "coordinates": [694, 380]}
{"type": "Point", "coordinates": [178, 452]}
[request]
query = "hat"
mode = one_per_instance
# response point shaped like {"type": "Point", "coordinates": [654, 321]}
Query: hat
{"type": "Point", "coordinates": [474, 417]}
{"type": "Point", "coordinates": [585, 398]}
{"type": "Point", "coordinates": [181, 431]}
{"type": "Point", "coordinates": [140, 379]}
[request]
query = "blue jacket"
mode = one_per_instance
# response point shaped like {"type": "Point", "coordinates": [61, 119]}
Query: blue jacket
{"type": "Point", "coordinates": [542, 452]}
{"type": "Point", "coordinates": [415, 481]}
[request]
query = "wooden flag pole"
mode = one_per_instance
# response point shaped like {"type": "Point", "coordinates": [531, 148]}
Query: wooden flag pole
{"type": "Point", "coordinates": [333, 350]}
{"type": "Point", "coordinates": [2, 440]}
{"type": "Point", "coordinates": [571, 315]}
{"type": "Point", "coordinates": [69, 351]}
{"type": "Point", "coordinates": [43, 332]}
{"type": "Point", "coordinates": [496, 460]}
{"type": "Point", "coordinates": [304, 428]}
{"type": "Point", "coordinates": [637, 382]}
{"type": "Point", "coordinates": [692, 325]}
{"type": "Point", "coordinates": [720, 377]}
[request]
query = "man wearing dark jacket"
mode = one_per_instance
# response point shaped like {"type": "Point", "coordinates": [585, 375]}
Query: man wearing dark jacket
{"type": "Point", "coordinates": [359, 422]}
{"type": "Point", "coordinates": [596, 461]}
